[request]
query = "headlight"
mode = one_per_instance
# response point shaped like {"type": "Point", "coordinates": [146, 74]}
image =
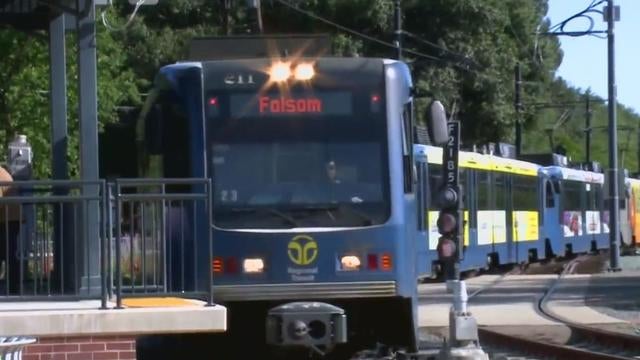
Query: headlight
{"type": "Point", "coordinates": [304, 72]}
{"type": "Point", "coordinates": [280, 71]}
{"type": "Point", "coordinates": [255, 265]}
{"type": "Point", "coordinates": [350, 263]}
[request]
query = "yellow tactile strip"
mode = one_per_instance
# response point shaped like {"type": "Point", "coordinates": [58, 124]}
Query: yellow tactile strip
{"type": "Point", "coordinates": [159, 302]}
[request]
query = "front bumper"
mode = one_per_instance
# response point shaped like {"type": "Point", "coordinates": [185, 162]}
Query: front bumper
{"type": "Point", "coordinates": [305, 291]}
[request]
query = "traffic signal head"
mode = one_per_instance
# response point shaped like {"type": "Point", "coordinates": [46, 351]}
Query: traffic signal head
{"type": "Point", "coordinates": [446, 248]}
{"type": "Point", "coordinates": [447, 222]}
{"type": "Point", "coordinates": [448, 218]}
{"type": "Point", "coordinates": [449, 197]}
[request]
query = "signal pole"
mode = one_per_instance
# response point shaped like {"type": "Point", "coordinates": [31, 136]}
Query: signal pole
{"type": "Point", "coordinates": [587, 127]}
{"type": "Point", "coordinates": [255, 16]}
{"type": "Point", "coordinates": [518, 107]}
{"type": "Point", "coordinates": [226, 7]}
{"type": "Point", "coordinates": [612, 14]}
{"type": "Point", "coordinates": [463, 328]}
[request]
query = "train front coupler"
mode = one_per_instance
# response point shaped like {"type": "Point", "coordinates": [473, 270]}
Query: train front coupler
{"type": "Point", "coordinates": [315, 325]}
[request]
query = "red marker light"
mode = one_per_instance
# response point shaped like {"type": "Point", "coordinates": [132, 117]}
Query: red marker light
{"type": "Point", "coordinates": [232, 265]}
{"type": "Point", "coordinates": [375, 98]}
{"type": "Point", "coordinates": [213, 101]}
{"type": "Point", "coordinates": [372, 261]}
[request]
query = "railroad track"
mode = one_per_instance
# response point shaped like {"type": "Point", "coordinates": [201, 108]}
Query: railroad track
{"type": "Point", "coordinates": [586, 342]}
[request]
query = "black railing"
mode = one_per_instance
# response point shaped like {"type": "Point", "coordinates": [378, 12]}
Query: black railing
{"type": "Point", "coordinates": [163, 238]}
{"type": "Point", "coordinates": [72, 240]}
{"type": "Point", "coordinates": [49, 246]}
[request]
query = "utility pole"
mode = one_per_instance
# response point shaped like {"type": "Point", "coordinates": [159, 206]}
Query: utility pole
{"type": "Point", "coordinates": [255, 16]}
{"type": "Point", "coordinates": [518, 107]}
{"type": "Point", "coordinates": [612, 14]}
{"type": "Point", "coordinates": [464, 342]}
{"type": "Point", "coordinates": [398, 29]}
{"type": "Point", "coordinates": [587, 127]}
{"type": "Point", "coordinates": [226, 8]}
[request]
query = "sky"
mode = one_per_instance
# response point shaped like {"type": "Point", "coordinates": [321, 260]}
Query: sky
{"type": "Point", "coordinates": [584, 64]}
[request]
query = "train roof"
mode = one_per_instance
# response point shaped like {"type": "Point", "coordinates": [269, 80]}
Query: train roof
{"type": "Point", "coordinates": [633, 182]}
{"type": "Point", "coordinates": [574, 174]}
{"type": "Point", "coordinates": [478, 161]}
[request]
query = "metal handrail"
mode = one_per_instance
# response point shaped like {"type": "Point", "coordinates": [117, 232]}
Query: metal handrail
{"type": "Point", "coordinates": [51, 199]}
{"type": "Point", "coordinates": [160, 202]}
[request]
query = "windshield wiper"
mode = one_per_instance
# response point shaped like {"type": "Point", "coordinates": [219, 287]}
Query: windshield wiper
{"type": "Point", "coordinates": [333, 207]}
{"type": "Point", "coordinates": [269, 210]}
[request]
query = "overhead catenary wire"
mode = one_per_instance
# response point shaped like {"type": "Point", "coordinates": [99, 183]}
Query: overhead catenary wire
{"type": "Point", "coordinates": [126, 25]}
{"type": "Point", "coordinates": [460, 57]}
{"type": "Point", "coordinates": [361, 35]}
{"type": "Point", "coordinates": [559, 28]}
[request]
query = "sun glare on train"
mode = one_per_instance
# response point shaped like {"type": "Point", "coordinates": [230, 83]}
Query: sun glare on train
{"type": "Point", "coordinates": [280, 71]}
{"type": "Point", "coordinates": [304, 72]}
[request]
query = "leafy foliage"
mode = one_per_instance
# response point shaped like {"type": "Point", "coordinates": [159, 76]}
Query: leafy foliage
{"type": "Point", "coordinates": [24, 90]}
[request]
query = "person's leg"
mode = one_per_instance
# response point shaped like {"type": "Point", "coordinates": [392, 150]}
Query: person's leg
{"type": "Point", "coordinates": [13, 265]}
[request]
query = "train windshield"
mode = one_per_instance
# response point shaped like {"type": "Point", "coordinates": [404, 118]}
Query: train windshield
{"type": "Point", "coordinates": [304, 159]}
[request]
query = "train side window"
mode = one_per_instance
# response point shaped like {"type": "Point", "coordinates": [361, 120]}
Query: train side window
{"type": "Point", "coordinates": [435, 182]}
{"type": "Point", "coordinates": [549, 199]}
{"type": "Point", "coordinates": [525, 193]}
{"type": "Point", "coordinates": [483, 191]}
{"type": "Point", "coordinates": [500, 195]}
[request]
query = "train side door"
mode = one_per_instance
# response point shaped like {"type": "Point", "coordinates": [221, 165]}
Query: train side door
{"type": "Point", "coordinates": [552, 220]}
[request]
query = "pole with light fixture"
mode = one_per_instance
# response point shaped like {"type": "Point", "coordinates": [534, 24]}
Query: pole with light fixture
{"type": "Point", "coordinates": [611, 15]}
{"type": "Point", "coordinates": [398, 29]}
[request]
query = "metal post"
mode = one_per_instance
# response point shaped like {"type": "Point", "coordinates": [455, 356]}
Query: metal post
{"type": "Point", "coordinates": [58, 89]}
{"type": "Point", "coordinates": [588, 130]}
{"type": "Point", "coordinates": [518, 107]}
{"type": "Point", "coordinates": [226, 7]}
{"type": "Point", "coordinates": [614, 234]}
{"type": "Point", "coordinates": [256, 16]}
{"type": "Point", "coordinates": [59, 140]}
{"type": "Point", "coordinates": [398, 29]}
{"type": "Point", "coordinates": [88, 116]}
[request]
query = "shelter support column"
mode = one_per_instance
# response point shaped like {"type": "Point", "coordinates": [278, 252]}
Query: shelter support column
{"type": "Point", "coordinates": [88, 117]}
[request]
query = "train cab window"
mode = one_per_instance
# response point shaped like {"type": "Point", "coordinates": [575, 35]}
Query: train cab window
{"type": "Point", "coordinates": [167, 139]}
{"type": "Point", "coordinates": [176, 137]}
{"type": "Point", "coordinates": [407, 149]}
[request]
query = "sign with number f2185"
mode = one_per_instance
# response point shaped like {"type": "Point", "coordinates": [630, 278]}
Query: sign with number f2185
{"type": "Point", "coordinates": [449, 220]}
{"type": "Point", "coordinates": [450, 154]}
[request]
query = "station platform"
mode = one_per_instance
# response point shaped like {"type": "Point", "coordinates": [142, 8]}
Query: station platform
{"type": "Point", "coordinates": [85, 318]}
{"type": "Point", "coordinates": [611, 300]}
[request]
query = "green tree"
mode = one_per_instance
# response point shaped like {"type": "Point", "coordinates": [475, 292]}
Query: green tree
{"type": "Point", "coordinates": [24, 90]}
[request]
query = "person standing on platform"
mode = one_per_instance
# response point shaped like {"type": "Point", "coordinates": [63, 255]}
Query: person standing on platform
{"type": "Point", "coordinates": [9, 229]}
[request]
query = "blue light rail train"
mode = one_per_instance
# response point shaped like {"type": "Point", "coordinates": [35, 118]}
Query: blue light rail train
{"type": "Point", "coordinates": [318, 197]}
{"type": "Point", "coordinates": [315, 191]}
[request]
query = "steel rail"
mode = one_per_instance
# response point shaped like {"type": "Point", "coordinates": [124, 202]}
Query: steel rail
{"type": "Point", "coordinates": [616, 343]}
